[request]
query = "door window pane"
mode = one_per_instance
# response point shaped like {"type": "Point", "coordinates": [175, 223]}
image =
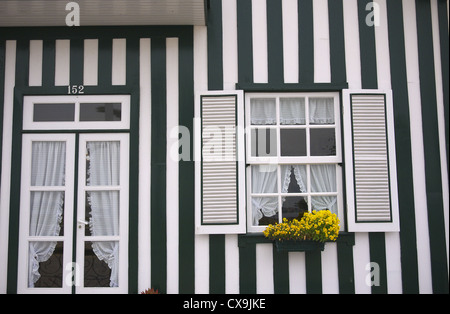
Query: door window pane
{"type": "Point", "coordinates": [48, 163]}
{"type": "Point", "coordinates": [100, 111]}
{"type": "Point", "coordinates": [101, 264]}
{"type": "Point", "coordinates": [103, 163]}
{"type": "Point", "coordinates": [46, 264]}
{"type": "Point", "coordinates": [53, 112]}
{"type": "Point", "coordinates": [102, 211]}
{"type": "Point", "coordinates": [46, 213]}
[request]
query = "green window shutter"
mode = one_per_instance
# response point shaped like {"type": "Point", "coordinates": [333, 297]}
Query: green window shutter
{"type": "Point", "coordinates": [220, 163]}
{"type": "Point", "coordinates": [370, 164]}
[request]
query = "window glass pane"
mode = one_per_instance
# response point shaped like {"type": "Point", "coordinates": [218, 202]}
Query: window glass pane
{"type": "Point", "coordinates": [263, 111]}
{"type": "Point", "coordinates": [264, 142]}
{"type": "Point", "coordinates": [101, 263]}
{"type": "Point", "coordinates": [46, 264]}
{"type": "Point", "coordinates": [321, 110]}
{"type": "Point", "coordinates": [294, 207]}
{"type": "Point", "coordinates": [323, 142]}
{"type": "Point", "coordinates": [46, 213]}
{"type": "Point", "coordinates": [103, 163]}
{"type": "Point", "coordinates": [48, 163]}
{"type": "Point", "coordinates": [102, 211]}
{"type": "Point", "coordinates": [264, 179]}
{"type": "Point", "coordinates": [293, 142]}
{"type": "Point", "coordinates": [265, 210]}
{"type": "Point", "coordinates": [100, 111]}
{"type": "Point", "coordinates": [292, 111]}
{"type": "Point", "coordinates": [323, 178]}
{"type": "Point", "coordinates": [53, 112]}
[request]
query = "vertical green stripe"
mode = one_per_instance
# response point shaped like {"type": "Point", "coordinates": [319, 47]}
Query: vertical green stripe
{"type": "Point", "coordinates": [443, 42]}
{"type": "Point", "coordinates": [158, 165]}
{"type": "Point", "coordinates": [369, 80]}
{"type": "Point", "coordinates": [433, 182]}
{"type": "Point", "coordinates": [280, 271]}
{"type": "Point", "coordinates": [337, 43]}
{"type": "Point", "coordinates": [76, 61]}
{"type": "Point", "coordinates": [132, 80]}
{"type": "Point", "coordinates": [305, 41]}
{"type": "Point", "coordinates": [247, 268]}
{"type": "Point", "coordinates": [105, 61]}
{"type": "Point", "coordinates": [215, 49]}
{"type": "Point", "coordinates": [48, 63]}
{"type": "Point", "coordinates": [313, 265]}
{"type": "Point", "coordinates": [22, 73]}
{"type": "Point", "coordinates": [245, 46]}
{"type": "Point", "coordinates": [346, 271]}
{"type": "Point", "coordinates": [186, 167]}
{"type": "Point", "coordinates": [215, 82]}
{"type": "Point", "coordinates": [408, 239]}
{"type": "Point", "coordinates": [275, 41]}
{"type": "Point", "coordinates": [2, 97]}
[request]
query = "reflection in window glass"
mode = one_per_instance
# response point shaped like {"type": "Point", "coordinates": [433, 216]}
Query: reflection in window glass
{"type": "Point", "coordinates": [264, 142]}
{"type": "Point", "coordinates": [53, 112]}
{"type": "Point", "coordinates": [100, 111]}
{"type": "Point", "coordinates": [293, 142]}
{"type": "Point", "coordinates": [323, 142]}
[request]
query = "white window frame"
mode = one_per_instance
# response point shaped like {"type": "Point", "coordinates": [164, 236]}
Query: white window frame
{"type": "Point", "coordinates": [306, 160]}
{"type": "Point", "coordinates": [28, 112]}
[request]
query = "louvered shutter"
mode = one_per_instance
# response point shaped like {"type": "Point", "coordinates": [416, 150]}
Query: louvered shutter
{"type": "Point", "coordinates": [370, 165]}
{"type": "Point", "coordinates": [220, 164]}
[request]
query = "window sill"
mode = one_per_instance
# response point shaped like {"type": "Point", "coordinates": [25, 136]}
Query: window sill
{"type": "Point", "coordinates": [255, 238]}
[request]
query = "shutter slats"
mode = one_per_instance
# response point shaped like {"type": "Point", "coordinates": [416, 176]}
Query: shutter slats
{"type": "Point", "coordinates": [370, 159]}
{"type": "Point", "coordinates": [219, 160]}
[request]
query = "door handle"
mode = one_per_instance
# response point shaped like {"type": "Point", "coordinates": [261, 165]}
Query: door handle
{"type": "Point", "coordinates": [82, 222]}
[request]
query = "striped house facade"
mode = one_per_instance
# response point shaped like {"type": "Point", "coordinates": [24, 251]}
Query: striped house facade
{"type": "Point", "coordinates": [246, 47]}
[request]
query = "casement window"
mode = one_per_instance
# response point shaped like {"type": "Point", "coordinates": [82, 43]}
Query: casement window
{"type": "Point", "coordinates": [73, 230]}
{"type": "Point", "coordinates": [294, 159]}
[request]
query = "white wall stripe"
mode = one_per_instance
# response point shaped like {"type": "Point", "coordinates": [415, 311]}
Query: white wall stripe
{"type": "Point", "coordinates": [297, 273]}
{"type": "Point", "coordinates": [322, 69]}
{"type": "Point", "coordinates": [90, 69]}
{"type": "Point", "coordinates": [259, 40]}
{"type": "Point", "coordinates": [119, 50]}
{"type": "Point", "coordinates": [200, 84]}
{"type": "Point", "coordinates": [417, 152]}
{"type": "Point", "coordinates": [392, 240]}
{"type": "Point", "coordinates": [330, 276]}
{"type": "Point", "coordinates": [5, 188]}
{"type": "Point", "coordinates": [229, 35]}
{"type": "Point", "coordinates": [351, 39]}
{"type": "Point", "coordinates": [290, 40]}
{"type": "Point", "coordinates": [144, 164]}
{"type": "Point", "coordinates": [35, 73]}
{"type": "Point", "coordinates": [62, 62]}
{"type": "Point", "coordinates": [172, 203]}
{"type": "Point", "coordinates": [361, 258]}
{"type": "Point", "coordinates": [264, 268]}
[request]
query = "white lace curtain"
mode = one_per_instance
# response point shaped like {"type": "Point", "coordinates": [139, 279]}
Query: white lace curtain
{"type": "Point", "coordinates": [46, 208]}
{"type": "Point", "coordinates": [104, 166]}
{"type": "Point", "coordinates": [264, 180]}
{"type": "Point", "coordinates": [292, 111]}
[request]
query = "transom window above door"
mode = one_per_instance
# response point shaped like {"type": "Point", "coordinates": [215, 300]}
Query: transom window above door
{"type": "Point", "coordinates": [76, 112]}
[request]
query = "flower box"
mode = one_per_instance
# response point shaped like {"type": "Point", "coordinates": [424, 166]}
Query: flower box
{"type": "Point", "coordinates": [299, 246]}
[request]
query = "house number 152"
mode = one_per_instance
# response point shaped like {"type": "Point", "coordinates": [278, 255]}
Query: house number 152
{"type": "Point", "coordinates": [75, 89]}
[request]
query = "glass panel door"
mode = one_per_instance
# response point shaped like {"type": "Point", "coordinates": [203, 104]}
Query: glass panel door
{"type": "Point", "coordinates": [102, 218]}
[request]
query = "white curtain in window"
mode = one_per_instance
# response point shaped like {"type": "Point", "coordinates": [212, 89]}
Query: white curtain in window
{"type": "Point", "coordinates": [321, 110]}
{"type": "Point", "coordinates": [264, 180]}
{"type": "Point", "coordinates": [292, 111]}
{"type": "Point", "coordinates": [46, 208]}
{"type": "Point", "coordinates": [263, 111]}
{"type": "Point", "coordinates": [104, 170]}
{"type": "Point", "coordinates": [323, 179]}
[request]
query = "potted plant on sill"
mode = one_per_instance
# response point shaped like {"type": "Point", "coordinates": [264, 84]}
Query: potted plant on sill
{"type": "Point", "coordinates": [307, 234]}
